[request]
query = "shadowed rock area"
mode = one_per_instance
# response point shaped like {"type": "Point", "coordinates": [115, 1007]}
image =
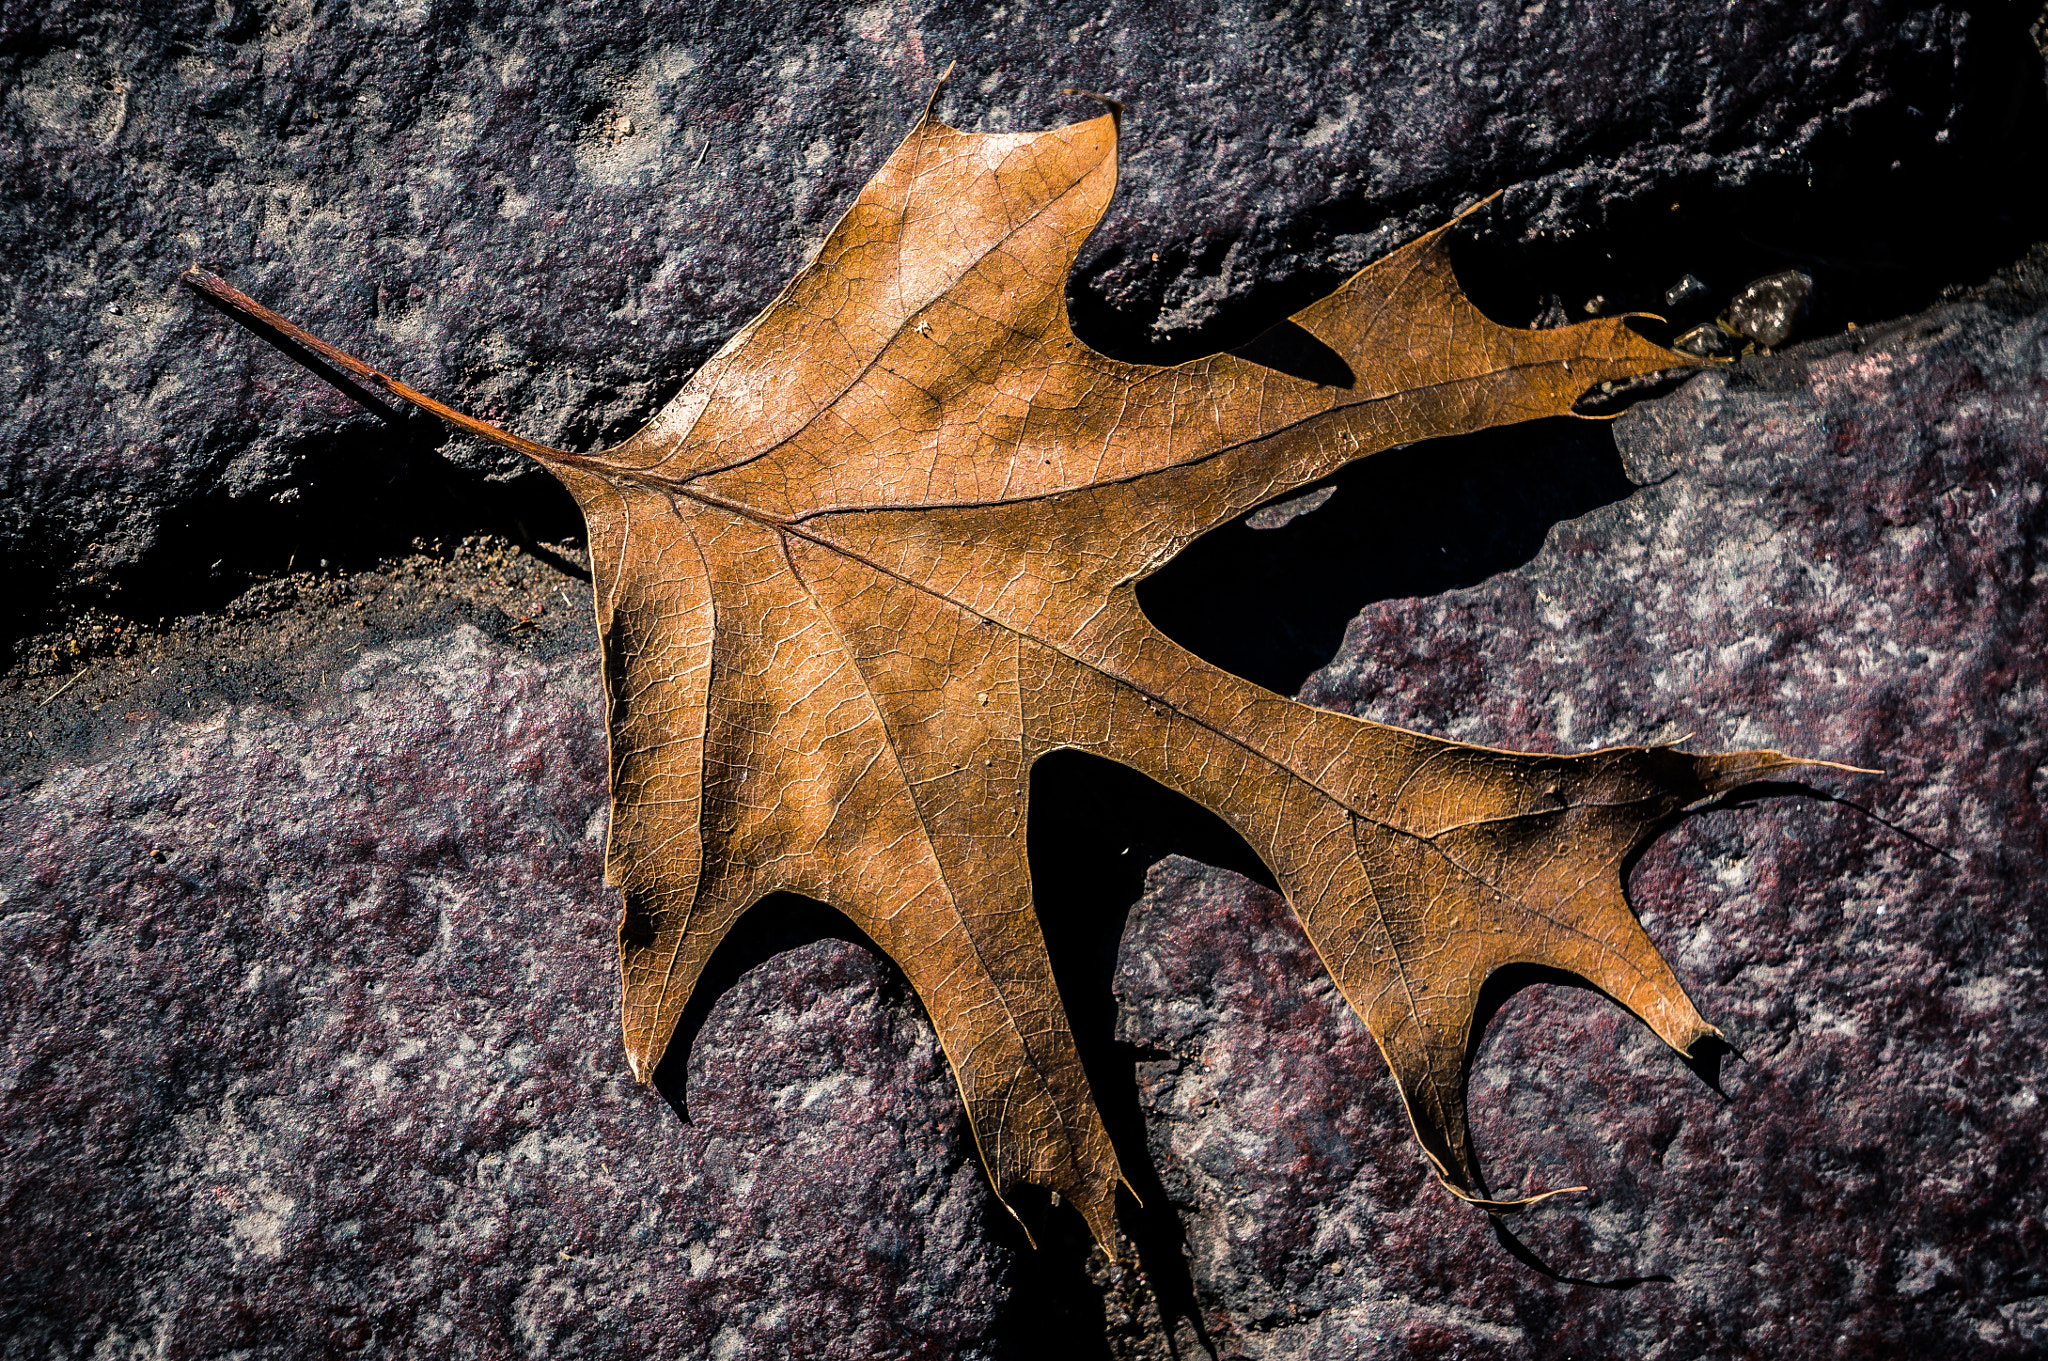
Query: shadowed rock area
{"type": "Point", "coordinates": [1837, 552]}
{"type": "Point", "coordinates": [308, 980]}
{"type": "Point", "coordinates": [553, 214]}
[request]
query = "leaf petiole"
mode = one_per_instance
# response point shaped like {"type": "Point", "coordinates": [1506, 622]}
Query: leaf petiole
{"type": "Point", "coordinates": [245, 308]}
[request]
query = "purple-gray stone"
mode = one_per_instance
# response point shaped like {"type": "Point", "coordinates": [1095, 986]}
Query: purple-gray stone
{"type": "Point", "coordinates": [311, 1047]}
{"type": "Point", "coordinates": [1836, 552]}
{"type": "Point", "coordinates": [550, 215]}
{"type": "Point", "coordinates": [308, 1036]}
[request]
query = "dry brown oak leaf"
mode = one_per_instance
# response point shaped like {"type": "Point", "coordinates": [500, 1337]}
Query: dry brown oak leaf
{"type": "Point", "coordinates": [880, 554]}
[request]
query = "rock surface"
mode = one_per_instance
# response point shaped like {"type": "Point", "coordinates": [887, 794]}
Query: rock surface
{"type": "Point", "coordinates": [339, 1070]}
{"type": "Point", "coordinates": [311, 1048]}
{"type": "Point", "coordinates": [307, 982]}
{"type": "Point", "coordinates": [551, 214]}
{"type": "Point", "coordinates": [1836, 552]}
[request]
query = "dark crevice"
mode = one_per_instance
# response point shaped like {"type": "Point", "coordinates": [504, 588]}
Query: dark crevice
{"type": "Point", "coordinates": [377, 489]}
{"type": "Point", "coordinates": [355, 504]}
{"type": "Point", "coordinates": [1887, 219]}
{"type": "Point", "coordinates": [1057, 1305]}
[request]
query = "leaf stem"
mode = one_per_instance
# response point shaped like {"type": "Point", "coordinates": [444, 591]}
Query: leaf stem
{"type": "Point", "coordinates": [246, 308]}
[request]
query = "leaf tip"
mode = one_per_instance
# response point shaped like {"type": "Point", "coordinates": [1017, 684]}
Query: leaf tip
{"type": "Point", "coordinates": [931, 103]}
{"type": "Point", "coordinates": [1731, 770]}
{"type": "Point", "coordinates": [641, 1058]}
{"type": "Point", "coordinates": [1474, 206]}
{"type": "Point", "coordinates": [1501, 1208]}
{"type": "Point", "coordinates": [1115, 106]}
{"type": "Point", "coordinates": [1099, 1213]}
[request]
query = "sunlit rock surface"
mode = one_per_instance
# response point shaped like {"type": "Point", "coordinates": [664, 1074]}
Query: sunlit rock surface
{"type": "Point", "coordinates": [1836, 552]}
{"type": "Point", "coordinates": [311, 1048]}
{"type": "Point", "coordinates": [308, 1039]}
{"type": "Point", "coordinates": [551, 214]}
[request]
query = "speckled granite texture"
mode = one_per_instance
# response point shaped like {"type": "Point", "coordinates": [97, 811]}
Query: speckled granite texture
{"type": "Point", "coordinates": [339, 1070]}
{"type": "Point", "coordinates": [308, 1042]}
{"type": "Point", "coordinates": [551, 213]}
{"type": "Point", "coordinates": [1836, 552]}
{"type": "Point", "coordinates": [310, 1048]}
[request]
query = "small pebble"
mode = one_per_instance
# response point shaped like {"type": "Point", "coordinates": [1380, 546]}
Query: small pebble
{"type": "Point", "coordinates": [1709, 342]}
{"type": "Point", "coordinates": [1769, 310]}
{"type": "Point", "coordinates": [1691, 289]}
